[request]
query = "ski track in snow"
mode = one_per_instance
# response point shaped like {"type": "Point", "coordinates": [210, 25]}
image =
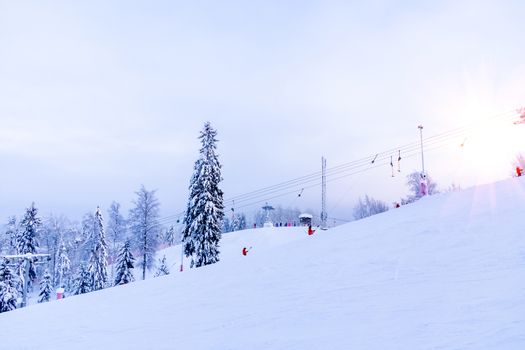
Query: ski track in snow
{"type": "Point", "coordinates": [446, 272]}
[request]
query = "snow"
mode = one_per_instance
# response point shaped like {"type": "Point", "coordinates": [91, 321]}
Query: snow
{"type": "Point", "coordinates": [446, 272]}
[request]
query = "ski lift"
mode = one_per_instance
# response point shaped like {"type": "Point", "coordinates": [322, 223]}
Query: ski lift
{"type": "Point", "coordinates": [267, 208]}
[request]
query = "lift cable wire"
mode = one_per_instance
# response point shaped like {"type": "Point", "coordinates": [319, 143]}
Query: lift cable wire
{"type": "Point", "coordinates": [351, 168]}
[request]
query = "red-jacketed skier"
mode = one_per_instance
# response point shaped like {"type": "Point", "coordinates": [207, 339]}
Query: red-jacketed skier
{"type": "Point", "coordinates": [245, 250]}
{"type": "Point", "coordinates": [519, 171]}
{"type": "Point", "coordinates": [310, 230]}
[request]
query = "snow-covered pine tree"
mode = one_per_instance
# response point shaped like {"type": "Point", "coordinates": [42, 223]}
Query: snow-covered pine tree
{"type": "Point", "coordinates": [163, 268]}
{"type": "Point", "coordinates": [226, 225]}
{"type": "Point", "coordinates": [235, 223]}
{"type": "Point", "coordinates": [8, 287]}
{"type": "Point", "coordinates": [46, 288]}
{"type": "Point", "coordinates": [63, 268]}
{"type": "Point", "coordinates": [171, 237]}
{"type": "Point", "coordinates": [27, 239]}
{"type": "Point", "coordinates": [145, 227]}
{"type": "Point", "coordinates": [82, 282]}
{"type": "Point", "coordinates": [202, 222]}
{"type": "Point", "coordinates": [98, 262]}
{"type": "Point", "coordinates": [242, 222]}
{"type": "Point", "coordinates": [4, 266]}
{"type": "Point", "coordinates": [125, 265]}
{"type": "Point", "coordinates": [116, 230]}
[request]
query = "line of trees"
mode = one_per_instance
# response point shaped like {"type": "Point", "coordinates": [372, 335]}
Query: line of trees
{"type": "Point", "coordinates": [79, 255]}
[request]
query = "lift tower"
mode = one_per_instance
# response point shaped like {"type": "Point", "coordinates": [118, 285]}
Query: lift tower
{"type": "Point", "coordinates": [324, 215]}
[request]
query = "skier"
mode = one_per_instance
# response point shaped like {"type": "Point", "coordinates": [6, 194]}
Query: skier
{"type": "Point", "coordinates": [519, 171]}
{"type": "Point", "coordinates": [245, 250]}
{"type": "Point", "coordinates": [310, 231]}
{"type": "Point", "coordinates": [423, 183]}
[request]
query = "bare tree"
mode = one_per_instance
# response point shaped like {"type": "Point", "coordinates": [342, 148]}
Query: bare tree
{"type": "Point", "coordinates": [145, 227]}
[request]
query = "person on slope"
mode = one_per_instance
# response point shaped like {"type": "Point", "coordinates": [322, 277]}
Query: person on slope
{"type": "Point", "coordinates": [519, 171]}
{"type": "Point", "coordinates": [245, 250]}
{"type": "Point", "coordinates": [423, 191]}
{"type": "Point", "coordinates": [310, 230]}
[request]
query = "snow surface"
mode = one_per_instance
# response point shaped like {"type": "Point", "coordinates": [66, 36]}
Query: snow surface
{"type": "Point", "coordinates": [446, 272]}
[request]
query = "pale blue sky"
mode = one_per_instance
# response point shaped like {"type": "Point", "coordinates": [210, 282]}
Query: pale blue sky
{"type": "Point", "coordinates": [99, 97]}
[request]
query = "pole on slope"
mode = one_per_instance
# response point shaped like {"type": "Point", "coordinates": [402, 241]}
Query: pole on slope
{"type": "Point", "coordinates": [27, 265]}
{"type": "Point", "coordinates": [181, 256]}
{"type": "Point", "coordinates": [324, 215]}
{"type": "Point", "coordinates": [420, 127]}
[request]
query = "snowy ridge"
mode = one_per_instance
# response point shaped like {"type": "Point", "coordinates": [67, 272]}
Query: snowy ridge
{"type": "Point", "coordinates": [446, 272]}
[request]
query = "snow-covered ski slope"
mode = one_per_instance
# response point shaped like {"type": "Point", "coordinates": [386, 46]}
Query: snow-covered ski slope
{"type": "Point", "coordinates": [447, 272]}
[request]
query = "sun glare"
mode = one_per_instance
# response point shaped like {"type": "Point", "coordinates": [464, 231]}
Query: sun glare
{"type": "Point", "coordinates": [490, 149]}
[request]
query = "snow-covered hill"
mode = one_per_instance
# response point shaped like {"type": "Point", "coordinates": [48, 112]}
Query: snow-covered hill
{"type": "Point", "coordinates": [447, 272]}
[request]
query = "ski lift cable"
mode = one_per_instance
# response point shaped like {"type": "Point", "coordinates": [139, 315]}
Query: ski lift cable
{"type": "Point", "coordinates": [415, 145]}
{"type": "Point", "coordinates": [275, 193]}
{"type": "Point", "coordinates": [413, 154]}
{"type": "Point", "coordinates": [429, 141]}
{"type": "Point", "coordinates": [314, 177]}
{"type": "Point", "coordinates": [317, 184]}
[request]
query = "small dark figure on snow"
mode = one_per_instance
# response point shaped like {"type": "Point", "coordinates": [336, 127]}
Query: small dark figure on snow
{"type": "Point", "coordinates": [519, 171]}
{"type": "Point", "coordinates": [245, 250]}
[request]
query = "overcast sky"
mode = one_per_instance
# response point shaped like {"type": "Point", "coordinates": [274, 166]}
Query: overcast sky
{"type": "Point", "coordinates": [99, 97]}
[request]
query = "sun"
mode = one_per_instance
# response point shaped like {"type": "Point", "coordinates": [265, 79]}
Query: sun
{"type": "Point", "coordinates": [488, 149]}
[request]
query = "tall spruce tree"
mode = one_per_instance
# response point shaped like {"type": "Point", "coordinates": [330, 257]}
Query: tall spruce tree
{"type": "Point", "coordinates": [145, 227]}
{"type": "Point", "coordinates": [82, 282]}
{"type": "Point", "coordinates": [202, 222]}
{"type": "Point", "coordinates": [125, 265]}
{"type": "Point", "coordinates": [98, 262]}
{"type": "Point", "coordinates": [46, 288]}
{"type": "Point", "coordinates": [27, 239]}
